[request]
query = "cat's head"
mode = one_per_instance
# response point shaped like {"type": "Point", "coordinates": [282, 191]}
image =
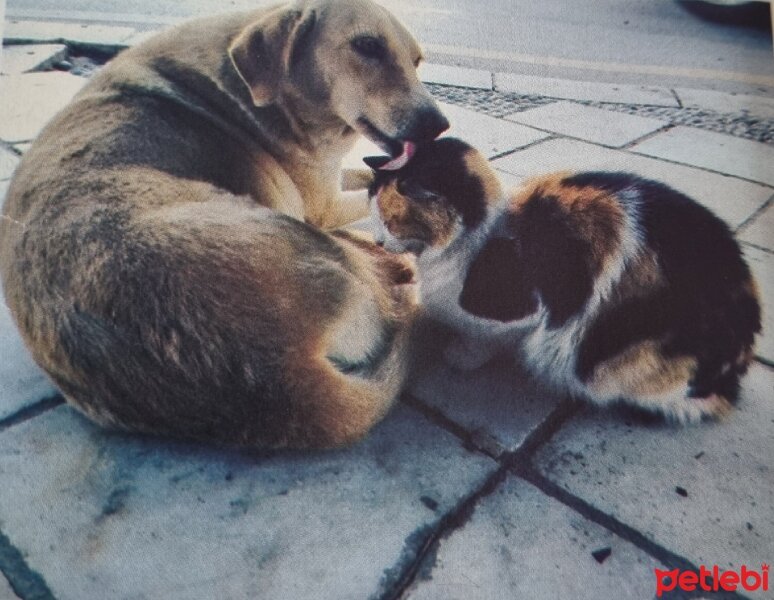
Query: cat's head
{"type": "Point", "coordinates": [443, 190]}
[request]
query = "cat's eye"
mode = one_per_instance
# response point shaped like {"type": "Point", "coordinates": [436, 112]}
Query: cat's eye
{"type": "Point", "coordinates": [369, 47]}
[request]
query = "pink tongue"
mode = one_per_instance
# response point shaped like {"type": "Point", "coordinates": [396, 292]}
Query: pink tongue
{"type": "Point", "coordinates": [400, 161]}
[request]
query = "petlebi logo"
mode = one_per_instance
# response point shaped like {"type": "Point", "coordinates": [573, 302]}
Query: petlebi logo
{"type": "Point", "coordinates": [712, 580]}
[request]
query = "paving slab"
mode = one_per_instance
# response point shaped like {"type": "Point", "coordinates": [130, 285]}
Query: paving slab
{"type": "Point", "coordinates": [103, 515]}
{"type": "Point", "coordinates": [31, 32]}
{"type": "Point", "coordinates": [710, 150]}
{"type": "Point", "coordinates": [456, 76]}
{"type": "Point", "coordinates": [23, 58]}
{"type": "Point", "coordinates": [498, 403]}
{"type": "Point", "coordinates": [490, 135]}
{"type": "Point", "coordinates": [705, 492]}
{"type": "Point", "coordinates": [762, 265]}
{"type": "Point", "coordinates": [8, 162]}
{"type": "Point", "coordinates": [761, 231]}
{"type": "Point", "coordinates": [29, 101]}
{"type": "Point", "coordinates": [731, 199]}
{"type": "Point", "coordinates": [588, 123]}
{"type": "Point", "coordinates": [527, 545]}
{"type": "Point", "coordinates": [22, 383]}
{"type": "Point", "coordinates": [758, 106]}
{"type": "Point", "coordinates": [584, 90]}
{"type": "Point", "coordinates": [6, 593]}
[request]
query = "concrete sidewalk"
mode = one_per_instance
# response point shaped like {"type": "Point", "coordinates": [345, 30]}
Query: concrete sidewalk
{"type": "Point", "coordinates": [477, 486]}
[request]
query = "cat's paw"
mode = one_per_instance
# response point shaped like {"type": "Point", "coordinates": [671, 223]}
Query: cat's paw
{"type": "Point", "coordinates": [465, 355]}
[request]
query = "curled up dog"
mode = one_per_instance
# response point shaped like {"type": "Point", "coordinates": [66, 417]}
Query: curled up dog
{"type": "Point", "coordinates": [165, 255]}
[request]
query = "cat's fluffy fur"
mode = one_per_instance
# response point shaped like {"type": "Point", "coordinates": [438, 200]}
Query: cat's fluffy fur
{"type": "Point", "coordinates": [608, 285]}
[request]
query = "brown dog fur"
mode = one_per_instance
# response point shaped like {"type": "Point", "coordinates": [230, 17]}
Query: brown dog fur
{"type": "Point", "coordinates": [145, 270]}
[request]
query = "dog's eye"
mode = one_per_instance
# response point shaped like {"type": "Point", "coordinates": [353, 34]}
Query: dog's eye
{"type": "Point", "coordinates": [369, 47]}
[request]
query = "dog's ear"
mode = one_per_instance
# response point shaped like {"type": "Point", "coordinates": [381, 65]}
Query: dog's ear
{"type": "Point", "coordinates": [262, 52]}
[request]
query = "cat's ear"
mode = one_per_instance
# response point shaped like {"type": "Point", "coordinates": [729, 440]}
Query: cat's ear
{"type": "Point", "coordinates": [498, 285]}
{"type": "Point", "coordinates": [376, 162]}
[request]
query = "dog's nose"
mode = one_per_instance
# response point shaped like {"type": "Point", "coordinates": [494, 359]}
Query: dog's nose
{"type": "Point", "coordinates": [428, 124]}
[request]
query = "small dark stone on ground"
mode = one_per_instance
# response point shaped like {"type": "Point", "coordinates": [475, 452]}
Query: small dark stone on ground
{"type": "Point", "coordinates": [602, 554]}
{"type": "Point", "coordinates": [429, 502]}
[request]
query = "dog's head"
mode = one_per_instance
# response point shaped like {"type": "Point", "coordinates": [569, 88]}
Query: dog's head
{"type": "Point", "coordinates": [348, 60]}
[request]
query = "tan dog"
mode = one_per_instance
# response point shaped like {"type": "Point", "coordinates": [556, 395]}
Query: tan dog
{"type": "Point", "coordinates": [142, 263]}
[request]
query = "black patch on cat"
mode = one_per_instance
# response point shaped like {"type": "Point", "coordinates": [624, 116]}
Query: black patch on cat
{"type": "Point", "coordinates": [439, 167]}
{"type": "Point", "coordinates": [543, 255]}
{"type": "Point", "coordinates": [496, 285]}
{"type": "Point", "coordinates": [705, 310]}
{"type": "Point", "coordinates": [556, 257]}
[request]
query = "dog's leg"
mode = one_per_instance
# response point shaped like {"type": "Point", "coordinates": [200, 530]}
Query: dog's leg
{"type": "Point", "coordinates": [356, 179]}
{"type": "Point", "coordinates": [350, 206]}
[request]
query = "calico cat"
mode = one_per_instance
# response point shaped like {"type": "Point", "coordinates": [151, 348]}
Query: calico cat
{"type": "Point", "coordinates": [604, 284]}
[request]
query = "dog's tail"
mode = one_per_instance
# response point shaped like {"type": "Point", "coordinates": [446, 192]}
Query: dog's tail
{"type": "Point", "coordinates": [360, 362]}
{"type": "Point", "coordinates": [351, 382]}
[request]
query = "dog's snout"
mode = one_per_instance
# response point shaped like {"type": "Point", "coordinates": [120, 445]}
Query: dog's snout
{"type": "Point", "coordinates": [427, 125]}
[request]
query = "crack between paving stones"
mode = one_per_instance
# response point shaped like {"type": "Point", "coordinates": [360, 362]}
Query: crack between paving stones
{"type": "Point", "coordinates": [26, 583]}
{"type": "Point", "coordinates": [10, 148]}
{"type": "Point", "coordinates": [531, 475]}
{"type": "Point", "coordinates": [766, 362]}
{"type": "Point", "coordinates": [471, 440]}
{"type": "Point", "coordinates": [677, 98]}
{"type": "Point", "coordinates": [647, 136]}
{"type": "Point", "coordinates": [749, 220]}
{"type": "Point", "coordinates": [450, 522]}
{"type": "Point", "coordinates": [32, 411]}
{"type": "Point", "coordinates": [683, 164]}
{"type": "Point", "coordinates": [424, 560]}
{"type": "Point", "coordinates": [757, 247]}
{"type": "Point", "coordinates": [549, 138]}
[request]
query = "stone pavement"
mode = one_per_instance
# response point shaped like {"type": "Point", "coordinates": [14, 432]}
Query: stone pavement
{"type": "Point", "coordinates": [477, 486]}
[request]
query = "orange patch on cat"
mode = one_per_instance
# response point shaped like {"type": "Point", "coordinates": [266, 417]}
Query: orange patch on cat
{"type": "Point", "coordinates": [595, 214]}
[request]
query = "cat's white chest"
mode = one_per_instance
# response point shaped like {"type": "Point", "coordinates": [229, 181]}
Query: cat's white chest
{"type": "Point", "coordinates": [440, 287]}
{"type": "Point", "coordinates": [545, 351]}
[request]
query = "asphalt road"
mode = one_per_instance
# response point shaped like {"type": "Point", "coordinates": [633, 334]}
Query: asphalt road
{"type": "Point", "coordinates": [658, 42]}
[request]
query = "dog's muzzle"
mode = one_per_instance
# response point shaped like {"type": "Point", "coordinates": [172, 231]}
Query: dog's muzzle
{"type": "Point", "coordinates": [426, 125]}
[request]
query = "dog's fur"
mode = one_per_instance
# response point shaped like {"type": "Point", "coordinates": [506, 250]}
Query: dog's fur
{"type": "Point", "coordinates": [162, 248]}
{"type": "Point", "coordinates": [606, 285]}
